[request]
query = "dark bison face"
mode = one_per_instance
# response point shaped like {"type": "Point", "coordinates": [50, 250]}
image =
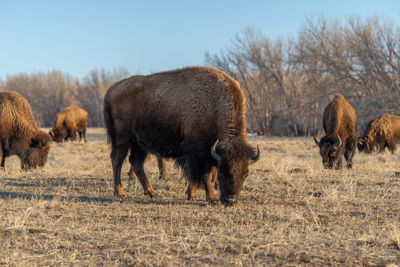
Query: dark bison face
{"type": "Point", "coordinates": [330, 151]}
{"type": "Point", "coordinates": [57, 135]}
{"type": "Point", "coordinates": [37, 152]}
{"type": "Point", "coordinates": [363, 145]}
{"type": "Point", "coordinates": [233, 161]}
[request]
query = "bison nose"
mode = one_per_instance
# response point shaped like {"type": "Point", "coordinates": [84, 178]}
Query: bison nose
{"type": "Point", "coordinates": [228, 201]}
{"type": "Point", "coordinates": [326, 165]}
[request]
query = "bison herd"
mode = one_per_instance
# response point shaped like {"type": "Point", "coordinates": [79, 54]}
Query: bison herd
{"type": "Point", "coordinates": [194, 115]}
{"type": "Point", "coordinates": [339, 123]}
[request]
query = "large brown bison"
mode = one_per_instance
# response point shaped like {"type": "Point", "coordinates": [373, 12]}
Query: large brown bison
{"type": "Point", "coordinates": [68, 122]}
{"type": "Point", "coordinates": [19, 134]}
{"type": "Point", "coordinates": [195, 115]}
{"type": "Point", "coordinates": [340, 133]}
{"type": "Point", "coordinates": [380, 133]}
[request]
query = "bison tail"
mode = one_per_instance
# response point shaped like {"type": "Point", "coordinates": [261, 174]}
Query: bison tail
{"type": "Point", "coordinates": [109, 123]}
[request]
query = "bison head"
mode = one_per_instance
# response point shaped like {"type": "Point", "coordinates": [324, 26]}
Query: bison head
{"type": "Point", "coordinates": [363, 145]}
{"type": "Point", "coordinates": [233, 160]}
{"type": "Point", "coordinates": [330, 150]}
{"type": "Point", "coordinates": [58, 135]}
{"type": "Point", "coordinates": [37, 152]}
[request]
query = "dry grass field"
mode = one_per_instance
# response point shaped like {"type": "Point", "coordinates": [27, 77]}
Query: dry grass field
{"type": "Point", "coordinates": [291, 212]}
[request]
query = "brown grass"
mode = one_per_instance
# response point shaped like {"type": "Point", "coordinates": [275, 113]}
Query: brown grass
{"type": "Point", "coordinates": [65, 213]}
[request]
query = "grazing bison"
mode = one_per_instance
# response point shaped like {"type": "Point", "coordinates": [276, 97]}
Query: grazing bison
{"type": "Point", "coordinates": [340, 133]}
{"type": "Point", "coordinates": [380, 133]}
{"type": "Point", "coordinates": [68, 122]}
{"type": "Point", "coordinates": [195, 115]}
{"type": "Point", "coordinates": [19, 134]}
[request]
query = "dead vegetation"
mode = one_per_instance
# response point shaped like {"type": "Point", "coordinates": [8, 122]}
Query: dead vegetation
{"type": "Point", "coordinates": [65, 213]}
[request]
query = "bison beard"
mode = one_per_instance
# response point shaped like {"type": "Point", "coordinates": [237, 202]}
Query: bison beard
{"type": "Point", "coordinates": [339, 123]}
{"type": "Point", "coordinates": [181, 114]}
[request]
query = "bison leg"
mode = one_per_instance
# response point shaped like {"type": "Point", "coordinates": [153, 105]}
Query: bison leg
{"type": "Point", "coordinates": [69, 136]}
{"type": "Point", "coordinates": [214, 177]}
{"type": "Point", "coordinates": [73, 135]}
{"type": "Point", "coordinates": [348, 155]}
{"type": "Point", "coordinates": [137, 159]}
{"type": "Point", "coordinates": [207, 183]}
{"type": "Point", "coordinates": [80, 136]}
{"type": "Point", "coordinates": [4, 154]}
{"type": "Point", "coordinates": [162, 168]}
{"type": "Point", "coordinates": [132, 176]}
{"type": "Point", "coordinates": [210, 194]}
{"type": "Point", "coordinates": [118, 155]}
{"type": "Point", "coordinates": [84, 134]}
{"type": "Point", "coordinates": [391, 146]}
{"type": "Point", "coordinates": [3, 158]}
{"type": "Point", "coordinates": [199, 173]}
{"type": "Point", "coordinates": [191, 191]}
{"type": "Point", "coordinates": [339, 163]}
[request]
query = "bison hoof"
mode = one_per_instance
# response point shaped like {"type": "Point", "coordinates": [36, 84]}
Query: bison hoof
{"type": "Point", "coordinates": [212, 199]}
{"type": "Point", "coordinates": [230, 203]}
{"type": "Point", "coordinates": [168, 187]}
{"type": "Point", "coordinates": [191, 193]}
{"type": "Point", "coordinates": [120, 195]}
{"type": "Point", "coordinates": [151, 194]}
{"type": "Point", "coordinates": [349, 165]}
{"type": "Point", "coordinates": [119, 192]}
{"type": "Point", "coordinates": [213, 202]}
{"type": "Point", "coordinates": [191, 196]}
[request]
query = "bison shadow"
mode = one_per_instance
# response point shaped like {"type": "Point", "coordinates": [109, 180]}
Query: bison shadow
{"type": "Point", "coordinates": [29, 196]}
{"type": "Point", "coordinates": [88, 199]}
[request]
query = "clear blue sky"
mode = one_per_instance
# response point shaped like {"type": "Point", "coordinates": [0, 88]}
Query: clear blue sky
{"type": "Point", "coordinates": [76, 36]}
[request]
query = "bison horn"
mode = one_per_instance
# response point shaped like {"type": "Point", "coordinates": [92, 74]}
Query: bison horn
{"type": "Point", "coordinates": [338, 143]}
{"type": "Point", "coordinates": [257, 157]}
{"type": "Point", "coordinates": [316, 141]}
{"type": "Point", "coordinates": [214, 153]}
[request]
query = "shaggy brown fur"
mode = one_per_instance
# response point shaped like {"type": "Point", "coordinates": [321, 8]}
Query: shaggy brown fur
{"type": "Point", "coordinates": [180, 114]}
{"type": "Point", "coordinates": [380, 133]}
{"type": "Point", "coordinates": [340, 133]}
{"type": "Point", "coordinates": [19, 134]}
{"type": "Point", "coordinates": [68, 122]}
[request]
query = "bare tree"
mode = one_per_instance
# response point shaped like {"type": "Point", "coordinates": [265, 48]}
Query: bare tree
{"type": "Point", "coordinates": [91, 92]}
{"type": "Point", "coordinates": [45, 92]}
{"type": "Point", "coordinates": [50, 92]}
{"type": "Point", "coordinates": [289, 82]}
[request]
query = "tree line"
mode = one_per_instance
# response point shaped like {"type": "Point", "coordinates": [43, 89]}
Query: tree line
{"type": "Point", "coordinates": [50, 92]}
{"type": "Point", "coordinates": [287, 81]}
